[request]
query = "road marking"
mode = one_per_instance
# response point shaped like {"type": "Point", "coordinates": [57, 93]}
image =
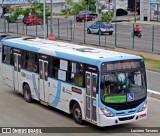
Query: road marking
{"type": "Point", "coordinates": [151, 91]}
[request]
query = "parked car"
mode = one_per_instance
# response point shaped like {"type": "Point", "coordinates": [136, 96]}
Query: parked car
{"type": "Point", "coordinates": [89, 12]}
{"type": "Point", "coordinates": [84, 17]}
{"type": "Point", "coordinates": [100, 28]}
{"type": "Point", "coordinates": [104, 11]}
{"type": "Point", "coordinates": [32, 20]}
{"type": "Point", "coordinates": [6, 36]}
{"type": "Point", "coordinates": [121, 12]}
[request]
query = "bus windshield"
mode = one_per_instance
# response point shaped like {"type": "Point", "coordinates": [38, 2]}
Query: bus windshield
{"type": "Point", "coordinates": [123, 86]}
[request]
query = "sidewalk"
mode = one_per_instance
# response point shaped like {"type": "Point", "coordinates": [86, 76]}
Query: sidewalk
{"type": "Point", "coordinates": [147, 23]}
{"type": "Point", "coordinates": [135, 52]}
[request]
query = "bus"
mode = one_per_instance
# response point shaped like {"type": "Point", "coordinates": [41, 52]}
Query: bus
{"type": "Point", "coordinates": [99, 86]}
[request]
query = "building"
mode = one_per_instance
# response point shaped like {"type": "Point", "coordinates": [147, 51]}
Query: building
{"type": "Point", "coordinates": [57, 4]}
{"type": "Point", "coordinates": [150, 10]}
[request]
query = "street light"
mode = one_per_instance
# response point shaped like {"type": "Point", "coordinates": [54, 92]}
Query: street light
{"type": "Point", "coordinates": [51, 23]}
{"type": "Point", "coordinates": [114, 10]}
{"type": "Point", "coordinates": [44, 18]}
{"type": "Point", "coordinates": [2, 7]}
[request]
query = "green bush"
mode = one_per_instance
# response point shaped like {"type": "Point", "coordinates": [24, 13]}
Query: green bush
{"type": "Point", "coordinates": [13, 18]}
{"type": "Point", "coordinates": [107, 17]}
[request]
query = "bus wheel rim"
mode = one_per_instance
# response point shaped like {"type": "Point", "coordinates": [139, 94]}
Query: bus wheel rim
{"type": "Point", "coordinates": [77, 113]}
{"type": "Point", "coordinates": [27, 94]}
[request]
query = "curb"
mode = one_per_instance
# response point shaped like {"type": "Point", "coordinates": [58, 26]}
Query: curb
{"type": "Point", "coordinates": [123, 20]}
{"type": "Point", "coordinates": [153, 94]}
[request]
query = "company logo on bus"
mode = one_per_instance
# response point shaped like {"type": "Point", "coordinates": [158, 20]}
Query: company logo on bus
{"type": "Point", "coordinates": [76, 90]}
{"type": "Point", "coordinates": [23, 74]}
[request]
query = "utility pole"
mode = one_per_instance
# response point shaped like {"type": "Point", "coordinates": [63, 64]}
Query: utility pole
{"type": "Point", "coordinates": [44, 18]}
{"type": "Point", "coordinates": [114, 17]}
{"type": "Point", "coordinates": [51, 23]}
{"type": "Point", "coordinates": [135, 9]}
{"type": "Point", "coordinates": [97, 8]}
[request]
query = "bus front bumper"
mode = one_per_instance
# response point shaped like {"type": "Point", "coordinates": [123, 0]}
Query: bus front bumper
{"type": "Point", "coordinates": [116, 120]}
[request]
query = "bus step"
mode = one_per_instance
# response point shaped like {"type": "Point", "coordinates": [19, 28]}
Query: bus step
{"type": "Point", "coordinates": [44, 103]}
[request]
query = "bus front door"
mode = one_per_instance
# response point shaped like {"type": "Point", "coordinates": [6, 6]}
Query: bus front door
{"type": "Point", "coordinates": [43, 80]}
{"type": "Point", "coordinates": [91, 97]}
{"type": "Point", "coordinates": [17, 74]}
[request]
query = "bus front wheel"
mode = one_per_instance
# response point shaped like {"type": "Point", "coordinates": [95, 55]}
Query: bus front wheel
{"type": "Point", "coordinates": [77, 113]}
{"type": "Point", "coordinates": [27, 93]}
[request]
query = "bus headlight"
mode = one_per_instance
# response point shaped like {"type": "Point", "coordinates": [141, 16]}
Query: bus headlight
{"type": "Point", "coordinates": [106, 112]}
{"type": "Point", "coordinates": [143, 107]}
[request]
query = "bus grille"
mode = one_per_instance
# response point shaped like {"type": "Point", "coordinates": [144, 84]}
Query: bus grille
{"type": "Point", "coordinates": [126, 118]}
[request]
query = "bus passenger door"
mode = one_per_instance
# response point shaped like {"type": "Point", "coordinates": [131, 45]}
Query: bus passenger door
{"type": "Point", "coordinates": [91, 100]}
{"type": "Point", "coordinates": [17, 74]}
{"type": "Point", "coordinates": [43, 80]}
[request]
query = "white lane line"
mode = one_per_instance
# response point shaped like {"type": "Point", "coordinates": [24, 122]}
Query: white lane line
{"type": "Point", "coordinates": [155, 92]}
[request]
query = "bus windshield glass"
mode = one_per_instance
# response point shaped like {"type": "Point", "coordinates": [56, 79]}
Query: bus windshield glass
{"type": "Point", "coordinates": [123, 82]}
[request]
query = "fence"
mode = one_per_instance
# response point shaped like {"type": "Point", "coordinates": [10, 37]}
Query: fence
{"type": "Point", "coordinates": [72, 31]}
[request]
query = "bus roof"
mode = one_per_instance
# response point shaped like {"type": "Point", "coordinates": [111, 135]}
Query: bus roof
{"type": "Point", "coordinates": [69, 51]}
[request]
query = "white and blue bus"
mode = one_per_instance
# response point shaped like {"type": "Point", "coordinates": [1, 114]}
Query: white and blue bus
{"type": "Point", "coordinates": [99, 86]}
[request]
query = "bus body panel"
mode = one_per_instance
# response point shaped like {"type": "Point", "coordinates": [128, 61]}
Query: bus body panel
{"type": "Point", "coordinates": [52, 89]}
{"type": "Point", "coordinates": [61, 94]}
{"type": "Point", "coordinates": [7, 74]}
{"type": "Point", "coordinates": [32, 80]}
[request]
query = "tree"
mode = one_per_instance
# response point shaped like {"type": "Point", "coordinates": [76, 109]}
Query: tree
{"type": "Point", "coordinates": [36, 9]}
{"type": "Point", "coordinates": [68, 8]}
{"type": "Point", "coordinates": [14, 13]}
{"type": "Point", "coordinates": [73, 8]}
{"type": "Point", "coordinates": [107, 17]}
{"type": "Point", "coordinates": [77, 7]}
{"type": "Point", "coordinates": [92, 5]}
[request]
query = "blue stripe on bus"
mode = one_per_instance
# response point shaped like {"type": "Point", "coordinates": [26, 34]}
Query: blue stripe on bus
{"type": "Point", "coordinates": [58, 94]}
{"type": "Point", "coordinates": [20, 45]}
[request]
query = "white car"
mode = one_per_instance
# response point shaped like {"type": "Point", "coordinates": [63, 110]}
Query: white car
{"type": "Point", "coordinates": [104, 11]}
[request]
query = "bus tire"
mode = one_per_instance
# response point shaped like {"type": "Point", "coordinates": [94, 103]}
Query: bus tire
{"type": "Point", "coordinates": [77, 114]}
{"type": "Point", "coordinates": [27, 93]}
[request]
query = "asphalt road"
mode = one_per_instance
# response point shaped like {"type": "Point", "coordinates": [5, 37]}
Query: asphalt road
{"type": "Point", "coordinates": [15, 112]}
{"type": "Point", "coordinates": [153, 80]}
{"type": "Point", "coordinates": [68, 30]}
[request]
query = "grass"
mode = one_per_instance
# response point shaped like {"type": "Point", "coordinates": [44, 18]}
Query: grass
{"type": "Point", "coordinates": [152, 64]}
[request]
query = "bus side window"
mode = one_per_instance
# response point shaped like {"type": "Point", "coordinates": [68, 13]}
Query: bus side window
{"type": "Point", "coordinates": [76, 74]}
{"type": "Point", "coordinates": [4, 58]}
{"type": "Point", "coordinates": [56, 66]}
{"type": "Point", "coordinates": [7, 56]}
{"type": "Point", "coordinates": [30, 62]}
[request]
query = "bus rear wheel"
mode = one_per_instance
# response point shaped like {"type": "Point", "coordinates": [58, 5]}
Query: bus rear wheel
{"type": "Point", "coordinates": [27, 93]}
{"type": "Point", "coordinates": [77, 113]}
